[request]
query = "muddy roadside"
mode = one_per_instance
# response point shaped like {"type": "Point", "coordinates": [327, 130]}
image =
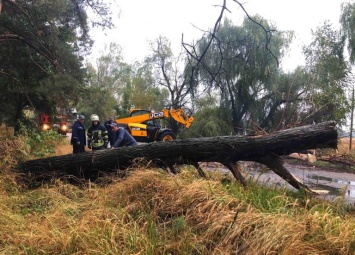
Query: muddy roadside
{"type": "Point", "coordinates": [332, 174]}
{"type": "Point", "coordinates": [330, 181]}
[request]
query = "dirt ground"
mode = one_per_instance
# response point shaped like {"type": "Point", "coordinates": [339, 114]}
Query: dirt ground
{"type": "Point", "coordinates": [65, 147]}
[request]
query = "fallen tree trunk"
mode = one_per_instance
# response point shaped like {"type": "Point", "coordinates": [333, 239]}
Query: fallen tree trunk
{"type": "Point", "coordinates": [227, 150]}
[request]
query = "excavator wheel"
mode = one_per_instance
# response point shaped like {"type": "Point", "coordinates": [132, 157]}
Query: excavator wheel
{"type": "Point", "coordinates": [166, 136]}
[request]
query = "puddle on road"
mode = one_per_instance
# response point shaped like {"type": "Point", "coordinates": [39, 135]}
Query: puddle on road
{"type": "Point", "coordinates": [334, 186]}
{"type": "Point", "coordinates": [321, 181]}
{"type": "Point", "coordinates": [328, 183]}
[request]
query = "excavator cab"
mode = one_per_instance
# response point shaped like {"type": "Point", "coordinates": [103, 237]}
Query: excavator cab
{"type": "Point", "coordinates": [145, 131]}
{"type": "Point", "coordinates": [137, 112]}
{"type": "Point", "coordinates": [150, 122]}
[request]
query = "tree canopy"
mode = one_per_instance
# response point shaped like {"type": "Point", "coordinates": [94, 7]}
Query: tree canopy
{"type": "Point", "coordinates": [41, 49]}
{"type": "Point", "coordinates": [230, 78]}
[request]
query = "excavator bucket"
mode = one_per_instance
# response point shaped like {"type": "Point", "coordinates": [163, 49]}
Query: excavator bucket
{"type": "Point", "coordinates": [180, 116]}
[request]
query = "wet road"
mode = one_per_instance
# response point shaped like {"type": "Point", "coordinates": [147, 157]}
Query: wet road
{"type": "Point", "coordinates": [334, 183]}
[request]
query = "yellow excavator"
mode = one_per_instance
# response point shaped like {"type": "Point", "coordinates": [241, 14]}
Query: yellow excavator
{"type": "Point", "coordinates": [144, 127]}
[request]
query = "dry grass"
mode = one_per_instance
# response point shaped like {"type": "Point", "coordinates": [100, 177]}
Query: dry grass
{"type": "Point", "coordinates": [13, 150]}
{"type": "Point", "coordinates": [343, 152]}
{"type": "Point", "coordinates": [64, 148]}
{"type": "Point", "coordinates": [343, 146]}
{"type": "Point", "coordinates": [151, 212]}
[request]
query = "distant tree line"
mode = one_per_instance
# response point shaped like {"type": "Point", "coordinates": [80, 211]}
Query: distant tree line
{"type": "Point", "coordinates": [230, 79]}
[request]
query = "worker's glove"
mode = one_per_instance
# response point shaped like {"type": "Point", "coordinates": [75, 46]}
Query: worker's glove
{"type": "Point", "coordinates": [89, 146]}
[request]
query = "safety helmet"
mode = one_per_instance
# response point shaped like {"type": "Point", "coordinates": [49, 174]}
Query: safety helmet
{"type": "Point", "coordinates": [94, 117]}
{"type": "Point", "coordinates": [81, 117]}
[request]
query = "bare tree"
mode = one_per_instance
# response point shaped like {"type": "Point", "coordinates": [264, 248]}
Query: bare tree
{"type": "Point", "coordinates": [170, 74]}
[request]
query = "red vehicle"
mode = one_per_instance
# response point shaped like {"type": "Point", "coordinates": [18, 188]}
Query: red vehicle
{"type": "Point", "coordinates": [61, 124]}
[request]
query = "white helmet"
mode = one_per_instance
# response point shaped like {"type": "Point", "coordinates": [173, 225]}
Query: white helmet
{"type": "Point", "coordinates": [94, 117]}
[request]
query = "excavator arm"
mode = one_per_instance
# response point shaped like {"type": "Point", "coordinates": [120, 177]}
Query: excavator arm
{"type": "Point", "coordinates": [180, 116]}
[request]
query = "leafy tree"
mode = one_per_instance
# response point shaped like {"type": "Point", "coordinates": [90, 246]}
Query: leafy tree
{"type": "Point", "coordinates": [210, 119]}
{"type": "Point", "coordinates": [103, 84]}
{"type": "Point", "coordinates": [238, 65]}
{"type": "Point", "coordinates": [147, 94]}
{"type": "Point", "coordinates": [96, 99]}
{"type": "Point", "coordinates": [115, 86]}
{"type": "Point", "coordinates": [280, 108]}
{"type": "Point", "coordinates": [41, 44]}
{"type": "Point", "coordinates": [347, 21]}
{"type": "Point", "coordinates": [329, 73]}
{"type": "Point", "coordinates": [310, 94]}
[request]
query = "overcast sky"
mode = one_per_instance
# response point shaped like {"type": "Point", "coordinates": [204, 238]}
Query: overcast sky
{"type": "Point", "coordinates": [141, 21]}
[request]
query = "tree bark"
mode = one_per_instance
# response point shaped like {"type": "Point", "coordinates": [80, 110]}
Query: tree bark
{"type": "Point", "coordinates": [227, 150]}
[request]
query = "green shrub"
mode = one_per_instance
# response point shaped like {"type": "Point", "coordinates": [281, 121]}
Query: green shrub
{"type": "Point", "coordinates": [40, 143]}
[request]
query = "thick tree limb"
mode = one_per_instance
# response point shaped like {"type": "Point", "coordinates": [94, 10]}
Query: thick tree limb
{"type": "Point", "coordinates": [275, 163]}
{"type": "Point", "coordinates": [224, 149]}
{"type": "Point", "coordinates": [235, 171]}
